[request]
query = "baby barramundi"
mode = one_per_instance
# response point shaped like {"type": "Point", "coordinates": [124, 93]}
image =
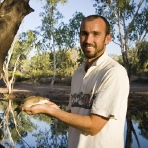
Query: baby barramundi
{"type": "Point", "coordinates": [30, 101]}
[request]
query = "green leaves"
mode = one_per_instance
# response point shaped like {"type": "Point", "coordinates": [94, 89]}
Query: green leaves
{"type": "Point", "coordinates": [143, 55]}
{"type": "Point", "coordinates": [129, 20]}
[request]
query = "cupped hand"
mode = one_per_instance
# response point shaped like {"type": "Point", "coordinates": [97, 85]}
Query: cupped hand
{"type": "Point", "coordinates": [53, 105]}
{"type": "Point", "coordinates": [41, 108]}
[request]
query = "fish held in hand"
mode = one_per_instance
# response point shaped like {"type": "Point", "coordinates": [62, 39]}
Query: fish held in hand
{"type": "Point", "coordinates": [30, 101]}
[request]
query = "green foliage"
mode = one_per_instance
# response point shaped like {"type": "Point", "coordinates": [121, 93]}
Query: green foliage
{"type": "Point", "coordinates": [55, 136]}
{"type": "Point", "coordinates": [58, 33]}
{"type": "Point", "coordinates": [141, 117]}
{"type": "Point", "coordinates": [132, 20]}
{"type": "Point", "coordinates": [41, 61]}
{"type": "Point", "coordinates": [55, 2]}
{"type": "Point", "coordinates": [24, 126]}
{"type": "Point", "coordinates": [50, 16]}
{"type": "Point", "coordinates": [82, 57]}
{"type": "Point", "coordinates": [39, 65]}
{"type": "Point", "coordinates": [66, 66]}
{"type": "Point", "coordinates": [19, 76]}
{"type": "Point", "coordinates": [58, 38]}
{"type": "Point", "coordinates": [25, 43]}
{"type": "Point", "coordinates": [43, 117]}
{"type": "Point", "coordinates": [140, 62]}
{"type": "Point", "coordinates": [36, 74]}
{"type": "Point", "coordinates": [142, 56]}
{"type": "Point", "coordinates": [128, 19]}
{"type": "Point", "coordinates": [74, 25]}
{"type": "Point", "coordinates": [22, 47]}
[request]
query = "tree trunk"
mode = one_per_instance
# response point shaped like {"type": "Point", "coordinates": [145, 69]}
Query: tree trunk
{"type": "Point", "coordinates": [54, 68]}
{"type": "Point", "coordinates": [128, 142]}
{"type": "Point", "coordinates": [130, 130]}
{"type": "Point", "coordinates": [126, 64]}
{"type": "Point", "coordinates": [12, 13]}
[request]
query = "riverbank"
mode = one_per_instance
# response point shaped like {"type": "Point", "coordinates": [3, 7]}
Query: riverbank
{"type": "Point", "coordinates": [60, 93]}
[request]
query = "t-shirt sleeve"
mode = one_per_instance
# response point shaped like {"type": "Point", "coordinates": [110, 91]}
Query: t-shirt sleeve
{"type": "Point", "coordinates": [112, 94]}
{"type": "Point", "coordinates": [69, 104]}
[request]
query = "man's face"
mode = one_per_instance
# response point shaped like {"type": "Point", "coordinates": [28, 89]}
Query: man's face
{"type": "Point", "coordinates": [93, 38]}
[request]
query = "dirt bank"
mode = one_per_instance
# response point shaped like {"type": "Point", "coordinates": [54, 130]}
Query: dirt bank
{"type": "Point", "coordinates": [60, 92]}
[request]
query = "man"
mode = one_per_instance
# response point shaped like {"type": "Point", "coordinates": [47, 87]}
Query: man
{"type": "Point", "coordinates": [99, 91]}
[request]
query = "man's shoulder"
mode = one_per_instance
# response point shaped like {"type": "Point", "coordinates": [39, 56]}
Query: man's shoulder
{"type": "Point", "coordinates": [109, 63]}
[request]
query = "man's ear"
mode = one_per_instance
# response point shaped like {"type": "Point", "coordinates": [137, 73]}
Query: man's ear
{"type": "Point", "coordinates": [108, 39]}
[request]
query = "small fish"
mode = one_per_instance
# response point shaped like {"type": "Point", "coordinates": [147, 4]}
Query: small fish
{"type": "Point", "coordinates": [30, 101]}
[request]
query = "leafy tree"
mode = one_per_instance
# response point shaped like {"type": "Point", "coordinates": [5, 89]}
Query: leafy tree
{"type": "Point", "coordinates": [129, 21]}
{"type": "Point", "coordinates": [129, 132]}
{"type": "Point", "coordinates": [74, 25]}
{"type": "Point", "coordinates": [55, 136]}
{"type": "Point", "coordinates": [57, 36]}
{"type": "Point", "coordinates": [14, 129]}
{"type": "Point", "coordinates": [66, 67]}
{"type": "Point", "coordinates": [50, 20]}
{"type": "Point", "coordinates": [143, 55]}
{"type": "Point", "coordinates": [140, 117]}
{"type": "Point", "coordinates": [39, 65]}
{"type": "Point", "coordinates": [5, 75]}
{"type": "Point", "coordinates": [8, 78]}
{"type": "Point", "coordinates": [139, 62]}
{"type": "Point", "coordinates": [82, 57]}
{"type": "Point", "coordinates": [19, 50]}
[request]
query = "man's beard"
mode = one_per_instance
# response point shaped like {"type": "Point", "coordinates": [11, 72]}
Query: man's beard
{"type": "Point", "coordinates": [96, 53]}
{"type": "Point", "coordinates": [89, 55]}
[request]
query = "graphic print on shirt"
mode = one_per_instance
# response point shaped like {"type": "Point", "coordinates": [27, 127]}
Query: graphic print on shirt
{"type": "Point", "coordinates": [82, 100]}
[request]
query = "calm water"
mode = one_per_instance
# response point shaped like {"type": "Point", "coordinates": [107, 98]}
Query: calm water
{"type": "Point", "coordinates": [40, 131]}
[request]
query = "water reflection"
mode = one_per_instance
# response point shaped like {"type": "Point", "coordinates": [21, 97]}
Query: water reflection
{"type": "Point", "coordinates": [40, 131]}
{"type": "Point", "coordinates": [136, 129]}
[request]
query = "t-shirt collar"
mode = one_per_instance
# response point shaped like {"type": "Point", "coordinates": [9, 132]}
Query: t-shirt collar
{"type": "Point", "coordinates": [97, 62]}
{"type": "Point", "coordinates": [100, 59]}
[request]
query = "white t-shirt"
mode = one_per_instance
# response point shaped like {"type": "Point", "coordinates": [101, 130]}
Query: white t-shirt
{"type": "Point", "coordinates": [102, 90]}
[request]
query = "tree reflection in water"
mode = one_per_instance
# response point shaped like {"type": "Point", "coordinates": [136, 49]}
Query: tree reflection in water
{"type": "Point", "coordinates": [141, 118]}
{"type": "Point", "coordinates": [24, 125]}
{"type": "Point", "coordinates": [55, 135]}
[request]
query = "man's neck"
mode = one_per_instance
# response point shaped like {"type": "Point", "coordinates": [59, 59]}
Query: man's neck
{"type": "Point", "coordinates": [90, 62]}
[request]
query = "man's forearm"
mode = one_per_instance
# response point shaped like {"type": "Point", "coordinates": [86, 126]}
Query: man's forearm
{"type": "Point", "coordinates": [89, 124]}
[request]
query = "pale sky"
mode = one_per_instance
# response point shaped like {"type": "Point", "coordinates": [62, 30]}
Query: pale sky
{"type": "Point", "coordinates": [33, 20]}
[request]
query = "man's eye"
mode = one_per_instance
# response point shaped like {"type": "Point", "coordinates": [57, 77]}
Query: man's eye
{"type": "Point", "coordinates": [96, 33]}
{"type": "Point", "coordinates": [83, 33]}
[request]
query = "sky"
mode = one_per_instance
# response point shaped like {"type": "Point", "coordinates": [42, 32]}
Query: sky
{"type": "Point", "coordinates": [33, 20]}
